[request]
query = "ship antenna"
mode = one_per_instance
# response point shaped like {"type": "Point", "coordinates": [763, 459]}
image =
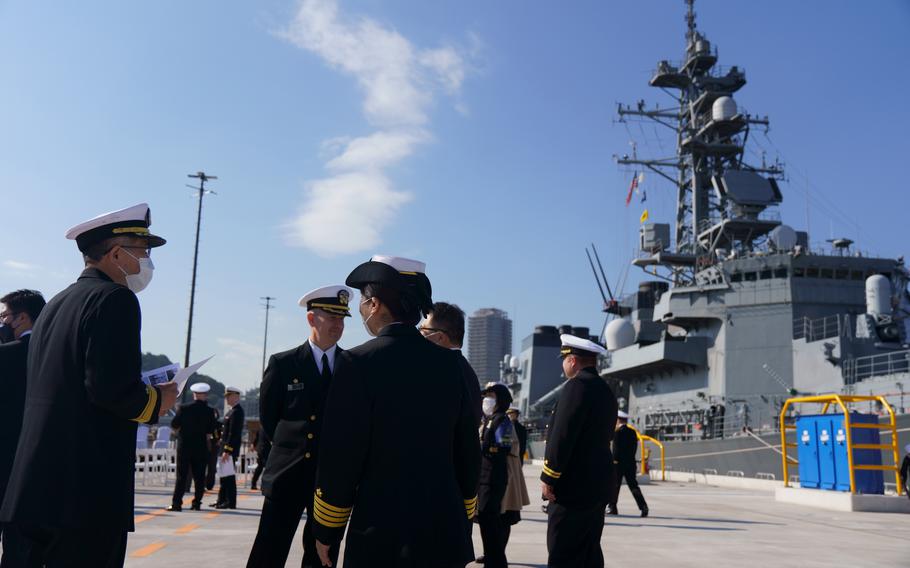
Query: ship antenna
{"type": "Point", "coordinates": [690, 17]}
{"type": "Point", "coordinates": [602, 273]}
{"type": "Point", "coordinates": [599, 287]}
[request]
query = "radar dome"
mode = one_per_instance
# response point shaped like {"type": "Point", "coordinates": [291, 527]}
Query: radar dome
{"type": "Point", "coordinates": [513, 362]}
{"type": "Point", "coordinates": [783, 238]}
{"type": "Point", "coordinates": [619, 333]}
{"type": "Point", "coordinates": [724, 109]}
{"type": "Point", "coordinates": [878, 296]}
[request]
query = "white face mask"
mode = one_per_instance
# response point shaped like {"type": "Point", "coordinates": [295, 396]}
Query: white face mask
{"type": "Point", "coordinates": [138, 282]}
{"type": "Point", "coordinates": [370, 332]}
{"type": "Point", "coordinates": [489, 405]}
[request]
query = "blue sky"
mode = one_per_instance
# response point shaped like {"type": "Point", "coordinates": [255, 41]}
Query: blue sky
{"type": "Point", "coordinates": [476, 136]}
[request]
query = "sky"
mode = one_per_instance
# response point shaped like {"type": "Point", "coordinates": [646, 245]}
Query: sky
{"type": "Point", "coordinates": [476, 136]}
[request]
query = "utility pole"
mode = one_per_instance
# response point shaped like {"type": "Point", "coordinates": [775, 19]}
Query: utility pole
{"type": "Point", "coordinates": [268, 306]}
{"type": "Point", "coordinates": [202, 177]}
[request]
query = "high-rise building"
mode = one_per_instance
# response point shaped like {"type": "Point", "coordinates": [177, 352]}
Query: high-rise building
{"type": "Point", "coordinates": [489, 341]}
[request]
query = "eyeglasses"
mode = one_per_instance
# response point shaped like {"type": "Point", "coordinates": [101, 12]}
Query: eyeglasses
{"type": "Point", "coordinates": [425, 331]}
{"type": "Point", "coordinates": [148, 250]}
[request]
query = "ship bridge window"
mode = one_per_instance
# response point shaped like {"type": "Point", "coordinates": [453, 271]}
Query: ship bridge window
{"type": "Point", "coordinates": [765, 274]}
{"type": "Point", "coordinates": [780, 272]}
{"type": "Point", "coordinates": [811, 273]}
{"type": "Point", "coordinates": [799, 272]}
{"type": "Point", "coordinates": [841, 274]}
{"type": "Point", "coordinates": [751, 276]}
{"type": "Point", "coordinates": [736, 277]}
{"type": "Point", "coordinates": [827, 273]}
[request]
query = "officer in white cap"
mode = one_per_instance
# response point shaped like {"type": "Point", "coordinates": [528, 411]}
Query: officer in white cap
{"type": "Point", "coordinates": [625, 446]}
{"type": "Point", "coordinates": [231, 437]}
{"type": "Point", "coordinates": [292, 403]}
{"type": "Point", "coordinates": [195, 423]}
{"type": "Point", "coordinates": [400, 439]}
{"type": "Point", "coordinates": [576, 476]}
{"type": "Point", "coordinates": [85, 399]}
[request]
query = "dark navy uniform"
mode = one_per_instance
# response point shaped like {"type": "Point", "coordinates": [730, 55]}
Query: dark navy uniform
{"type": "Point", "coordinates": [195, 422]}
{"type": "Point", "coordinates": [231, 439]}
{"type": "Point", "coordinates": [472, 385]}
{"type": "Point", "coordinates": [291, 404]}
{"type": "Point", "coordinates": [579, 466]}
{"type": "Point", "coordinates": [625, 445]}
{"type": "Point", "coordinates": [406, 467]}
{"type": "Point", "coordinates": [495, 444]}
{"type": "Point", "coordinates": [83, 403]}
{"type": "Point", "coordinates": [12, 379]}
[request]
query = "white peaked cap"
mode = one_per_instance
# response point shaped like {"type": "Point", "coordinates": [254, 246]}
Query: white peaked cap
{"type": "Point", "coordinates": [231, 389]}
{"type": "Point", "coordinates": [200, 387]}
{"type": "Point", "coordinates": [576, 343]}
{"type": "Point", "coordinates": [401, 264]}
{"type": "Point", "coordinates": [622, 414]}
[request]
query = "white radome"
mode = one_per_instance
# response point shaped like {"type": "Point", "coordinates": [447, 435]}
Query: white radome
{"type": "Point", "coordinates": [619, 333]}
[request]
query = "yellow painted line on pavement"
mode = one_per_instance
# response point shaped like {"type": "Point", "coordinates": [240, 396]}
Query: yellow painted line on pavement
{"type": "Point", "coordinates": [186, 528]}
{"type": "Point", "coordinates": [142, 518]}
{"type": "Point", "coordinates": [212, 515]}
{"type": "Point", "coordinates": [148, 550]}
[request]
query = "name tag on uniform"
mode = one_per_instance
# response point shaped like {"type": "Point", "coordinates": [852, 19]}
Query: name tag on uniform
{"type": "Point", "coordinates": [295, 387]}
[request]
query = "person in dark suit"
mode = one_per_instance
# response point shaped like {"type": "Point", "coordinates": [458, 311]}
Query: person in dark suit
{"type": "Point", "coordinates": [625, 446]}
{"type": "Point", "coordinates": [231, 438]}
{"type": "Point", "coordinates": [444, 326]}
{"type": "Point", "coordinates": [263, 449]}
{"type": "Point", "coordinates": [400, 457]}
{"type": "Point", "coordinates": [18, 312]}
{"type": "Point", "coordinates": [520, 431]}
{"type": "Point", "coordinates": [577, 471]}
{"type": "Point", "coordinates": [213, 455]}
{"type": "Point", "coordinates": [84, 400]}
{"type": "Point", "coordinates": [495, 443]}
{"type": "Point", "coordinates": [195, 424]}
{"type": "Point", "coordinates": [291, 407]}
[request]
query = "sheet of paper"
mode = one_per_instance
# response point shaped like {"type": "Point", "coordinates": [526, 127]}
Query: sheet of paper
{"type": "Point", "coordinates": [183, 374]}
{"type": "Point", "coordinates": [225, 468]}
{"type": "Point", "coordinates": [160, 375]}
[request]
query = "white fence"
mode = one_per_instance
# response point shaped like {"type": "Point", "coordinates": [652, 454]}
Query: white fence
{"type": "Point", "coordinates": [158, 466]}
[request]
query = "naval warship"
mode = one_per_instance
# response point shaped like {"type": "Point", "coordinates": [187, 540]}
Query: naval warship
{"type": "Point", "coordinates": [740, 312]}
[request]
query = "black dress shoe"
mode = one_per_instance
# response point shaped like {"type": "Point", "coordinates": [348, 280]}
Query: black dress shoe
{"type": "Point", "coordinates": [644, 512]}
{"type": "Point", "coordinates": [479, 560]}
{"type": "Point", "coordinates": [196, 506]}
{"type": "Point", "coordinates": [216, 505]}
{"type": "Point", "coordinates": [612, 512]}
{"type": "Point", "coordinates": [174, 508]}
{"type": "Point", "coordinates": [225, 506]}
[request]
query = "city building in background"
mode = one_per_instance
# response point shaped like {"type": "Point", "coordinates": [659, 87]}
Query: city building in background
{"type": "Point", "coordinates": [489, 340]}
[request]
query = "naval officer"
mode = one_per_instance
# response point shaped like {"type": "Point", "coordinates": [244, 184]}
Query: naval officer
{"type": "Point", "coordinates": [578, 465]}
{"type": "Point", "coordinates": [400, 458]}
{"type": "Point", "coordinates": [84, 401]}
{"type": "Point", "coordinates": [231, 438]}
{"type": "Point", "coordinates": [195, 424]}
{"type": "Point", "coordinates": [625, 446]}
{"type": "Point", "coordinates": [292, 399]}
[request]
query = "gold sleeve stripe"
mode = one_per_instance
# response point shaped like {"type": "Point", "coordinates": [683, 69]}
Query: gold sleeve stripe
{"type": "Point", "coordinates": [332, 508]}
{"type": "Point", "coordinates": [146, 413]}
{"type": "Point", "coordinates": [330, 524]}
{"type": "Point", "coordinates": [552, 473]}
{"type": "Point", "coordinates": [330, 515]}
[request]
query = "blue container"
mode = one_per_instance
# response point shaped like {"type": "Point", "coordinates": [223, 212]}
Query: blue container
{"type": "Point", "coordinates": [822, 453]}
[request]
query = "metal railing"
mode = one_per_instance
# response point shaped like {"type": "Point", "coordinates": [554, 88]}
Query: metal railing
{"type": "Point", "coordinates": [817, 329]}
{"type": "Point", "coordinates": [860, 368]}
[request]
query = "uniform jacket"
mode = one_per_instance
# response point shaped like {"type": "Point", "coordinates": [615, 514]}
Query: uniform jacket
{"type": "Point", "coordinates": [232, 432]}
{"type": "Point", "coordinates": [472, 385]}
{"type": "Point", "coordinates": [625, 445]}
{"type": "Point", "coordinates": [522, 435]}
{"type": "Point", "coordinates": [496, 441]}
{"type": "Point", "coordinates": [196, 422]}
{"type": "Point", "coordinates": [12, 403]}
{"type": "Point", "coordinates": [578, 462]}
{"type": "Point", "coordinates": [84, 400]}
{"type": "Point", "coordinates": [516, 495]}
{"type": "Point", "coordinates": [291, 404]}
{"type": "Point", "coordinates": [400, 448]}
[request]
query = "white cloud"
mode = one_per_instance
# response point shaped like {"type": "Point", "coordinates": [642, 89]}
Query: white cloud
{"type": "Point", "coordinates": [19, 266]}
{"type": "Point", "coordinates": [347, 212]}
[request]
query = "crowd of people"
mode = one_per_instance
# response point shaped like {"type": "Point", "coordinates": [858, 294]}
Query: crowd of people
{"type": "Point", "coordinates": [402, 487]}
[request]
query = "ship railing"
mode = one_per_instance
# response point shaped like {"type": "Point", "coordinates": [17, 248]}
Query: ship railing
{"type": "Point", "coordinates": [816, 329]}
{"type": "Point", "coordinates": [893, 363]}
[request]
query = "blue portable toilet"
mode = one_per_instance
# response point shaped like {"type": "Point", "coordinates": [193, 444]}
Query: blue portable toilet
{"type": "Point", "coordinates": [807, 452]}
{"type": "Point", "coordinates": [867, 481]}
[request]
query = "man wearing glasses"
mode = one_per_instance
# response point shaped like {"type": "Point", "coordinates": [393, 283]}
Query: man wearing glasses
{"type": "Point", "coordinates": [444, 326]}
{"type": "Point", "coordinates": [85, 398]}
{"type": "Point", "coordinates": [18, 312]}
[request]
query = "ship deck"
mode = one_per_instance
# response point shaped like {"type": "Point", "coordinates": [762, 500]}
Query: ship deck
{"type": "Point", "coordinates": [688, 526]}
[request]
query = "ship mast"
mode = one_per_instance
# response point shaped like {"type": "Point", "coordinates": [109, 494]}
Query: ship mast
{"type": "Point", "coordinates": [720, 199]}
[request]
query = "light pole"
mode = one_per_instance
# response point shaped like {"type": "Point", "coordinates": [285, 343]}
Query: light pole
{"type": "Point", "coordinates": [265, 341]}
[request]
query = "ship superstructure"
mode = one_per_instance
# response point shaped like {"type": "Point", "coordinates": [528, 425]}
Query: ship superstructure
{"type": "Point", "coordinates": [744, 313]}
